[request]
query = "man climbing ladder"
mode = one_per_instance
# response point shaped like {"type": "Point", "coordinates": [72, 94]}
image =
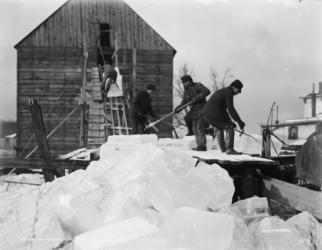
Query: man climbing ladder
{"type": "Point", "coordinates": [114, 101]}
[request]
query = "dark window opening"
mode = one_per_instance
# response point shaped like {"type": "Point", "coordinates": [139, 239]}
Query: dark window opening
{"type": "Point", "coordinates": [105, 38]}
{"type": "Point", "coordinates": [103, 57]}
{"type": "Point", "coordinates": [293, 133]}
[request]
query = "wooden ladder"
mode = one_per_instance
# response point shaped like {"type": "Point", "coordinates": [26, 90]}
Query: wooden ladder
{"type": "Point", "coordinates": [116, 122]}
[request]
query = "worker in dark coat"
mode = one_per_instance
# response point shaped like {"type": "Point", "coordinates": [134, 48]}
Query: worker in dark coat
{"type": "Point", "coordinates": [188, 121]}
{"type": "Point", "coordinates": [217, 112]}
{"type": "Point", "coordinates": [141, 109]}
{"type": "Point", "coordinates": [195, 93]}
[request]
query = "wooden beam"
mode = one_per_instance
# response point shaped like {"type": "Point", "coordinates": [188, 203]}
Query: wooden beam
{"type": "Point", "coordinates": [134, 70]}
{"type": "Point", "coordinates": [39, 164]}
{"type": "Point", "coordinates": [83, 93]}
{"type": "Point", "coordinates": [39, 129]}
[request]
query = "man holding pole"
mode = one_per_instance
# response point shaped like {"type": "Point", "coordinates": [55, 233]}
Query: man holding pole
{"type": "Point", "coordinates": [141, 109]}
{"type": "Point", "coordinates": [195, 95]}
{"type": "Point", "coordinates": [217, 112]}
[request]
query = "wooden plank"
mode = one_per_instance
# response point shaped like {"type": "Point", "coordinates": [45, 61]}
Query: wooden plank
{"type": "Point", "coordinates": [104, 6]}
{"type": "Point", "coordinates": [92, 25]}
{"type": "Point", "coordinates": [214, 156]}
{"type": "Point", "coordinates": [122, 40]}
{"type": "Point", "coordinates": [56, 31]}
{"type": "Point", "coordinates": [72, 25]}
{"type": "Point", "coordinates": [139, 33]}
{"type": "Point", "coordinates": [300, 198]}
{"type": "Point", "coordinates": [86, 22]}
{"type": "Point", "coordinates": [71, 154]}
{"type": "Point", "coordinates": [100, 11]}
{"type": "Point", "coordinates": [39, 164]}
{"type": "Point", "coordinates": [67, 25]}
{"type": "Point", "coordinates": [63, 26]}
{"type": "Point", "coordinates": [78, 24]}
{"type": "Point", "coordinates": [95, 12]}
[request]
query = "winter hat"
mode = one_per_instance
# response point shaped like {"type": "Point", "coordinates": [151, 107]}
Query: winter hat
{"type": "Point", "coordinates": [150, 87]}
{"type": "Point", "coordinates": [186, 78]}
{"type": "Point", "coordinates": [237, 84]}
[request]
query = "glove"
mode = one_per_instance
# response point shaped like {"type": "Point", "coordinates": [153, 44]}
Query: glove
{"type": "Point", "coordinates": [241, 124]}
{"type": "Point", "coordinates": [177, 109]}
{"type": "Point", "coordinates": [194, 100]}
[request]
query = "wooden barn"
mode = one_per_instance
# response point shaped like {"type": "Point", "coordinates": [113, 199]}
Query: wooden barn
{"type": "Point", "coordinates": [59, 59]}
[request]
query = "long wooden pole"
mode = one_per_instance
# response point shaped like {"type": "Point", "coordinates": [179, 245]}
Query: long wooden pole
{"type": "Point", "coordinates": [166, 116]}
{"type": "Point", "coordinates": [83, 92]}
{"type": "Point", "coordinates": [134, 71]}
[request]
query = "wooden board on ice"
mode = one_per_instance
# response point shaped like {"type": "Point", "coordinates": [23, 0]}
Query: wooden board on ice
{"type": "Point", "coordinates": [216, 156]}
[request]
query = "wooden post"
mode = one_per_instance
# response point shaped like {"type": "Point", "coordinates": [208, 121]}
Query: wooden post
{"type": "Point", "coordinates": [40, 132]}
{"type": "Point", "coordinates": [83, 93]}
{"type": "Point", "coordinates": [134, 70]}
{"type": "Point", "coordinates": [266, 143]}
{"type": "Point", "coordinates": [116, 50]}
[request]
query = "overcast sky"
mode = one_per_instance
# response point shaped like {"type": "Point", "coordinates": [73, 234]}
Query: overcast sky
{"type": "Point", "coordinates": [273, 46]}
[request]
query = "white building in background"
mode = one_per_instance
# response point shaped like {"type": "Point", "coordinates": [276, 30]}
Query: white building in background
{"type": "Point", "coordinates": [296, 131]}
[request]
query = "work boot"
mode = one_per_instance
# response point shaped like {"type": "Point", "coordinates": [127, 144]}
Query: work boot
{"type": "Point", "coordinates": [230, 144]}
{"type": "Point", "coordinates": [200, 148]}
{"type": "Point", "coordinates": [221, 140]}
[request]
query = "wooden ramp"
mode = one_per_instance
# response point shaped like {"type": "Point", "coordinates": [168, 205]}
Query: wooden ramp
{"type": "Point", "coordinates": [96, 125]}
{"type": "Point", "coordinates": [96, 122]}
{"type": "Point", "coordinates": [216, 156]}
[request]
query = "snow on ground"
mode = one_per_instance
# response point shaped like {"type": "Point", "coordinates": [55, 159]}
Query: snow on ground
{"type": "Point", "coordinates": [143, 196]}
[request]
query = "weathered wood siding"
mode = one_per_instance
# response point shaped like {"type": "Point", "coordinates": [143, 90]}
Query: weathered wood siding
{"type": "Point", "coordinates": [53, 76]}
{"type": "Point", "coordinates": [50, 62]}
{"type": "Point", "coordinates": [65, 26]}
{"type": "Point", "coordinates": [154, 67]}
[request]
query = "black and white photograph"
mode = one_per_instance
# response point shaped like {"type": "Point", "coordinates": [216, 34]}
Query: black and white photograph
{"type": "Point", "coordinates": [161, 125]}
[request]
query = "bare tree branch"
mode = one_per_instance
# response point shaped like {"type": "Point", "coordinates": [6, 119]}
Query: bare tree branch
{"type": "Point", "coordinates": [228, 75]}
{"type": "Point", "coordinates": [213, 78]}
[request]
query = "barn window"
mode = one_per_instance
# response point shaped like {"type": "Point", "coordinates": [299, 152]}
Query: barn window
{"type": "Point", "coordinates": [293, 133]}
{"type": "Point", "coordinates": [105, 35]}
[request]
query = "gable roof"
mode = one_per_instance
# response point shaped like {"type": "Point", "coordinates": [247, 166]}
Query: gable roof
{"type": "Point", "coordinates": [134, 31]}
{"type": "Point", "coordinates": [37, 27]}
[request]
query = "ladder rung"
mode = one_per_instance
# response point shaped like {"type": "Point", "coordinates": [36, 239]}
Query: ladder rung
{"type": "Point", "coordinates": [118, 127]}
{"type": "Point", "coordinates": [117, 110]}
